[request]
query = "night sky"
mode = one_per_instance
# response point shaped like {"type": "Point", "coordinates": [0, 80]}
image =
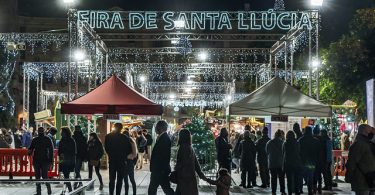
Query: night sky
{"type": "Point", "coordinates": [336, 13]}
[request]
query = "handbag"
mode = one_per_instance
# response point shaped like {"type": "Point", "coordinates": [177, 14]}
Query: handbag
{"type": "Point", "coordinates": [94, 163]}
{"type": "Point", "coordinates": [173, 177]}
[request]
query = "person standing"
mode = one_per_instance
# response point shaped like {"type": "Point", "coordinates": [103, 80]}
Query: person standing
{"type": "Point", "coordinates": [361, 163]}
{"type": "Point", "coordinates": [248, 167]}
{"type": "Point", "coordinates": [320, 161]}
{"type": "Point", "coordinates": [26, 138]}
{"type": "Point", "coordinates": [81, 157]}
{"type": "Point", "coordinates": [118, 147]}
{"type": "Point", "coordinates": [52, 134]}
{"type": "Point", "coordinates": [41, 149]}
{"type": "Point", "coordinates": [328, 146]}
{"type": "Point", "coordinates": [237, 152]}
{"type": "Point", "coordinates": [275, 162]}
{"type": "Point", "coordinates": [67, 151]}
{"type": "Point", "coordinates": [149, 144]}
{"type": "Point", "coordinates": [95, 152]}
{"type": "Point", "coordinates": [186, 166]}
{"type": "Point", "coordinates": [141, 144]}
{"type": "Point", "coordinates": [297, 130]}
{"type": "Point", "coordinates": [309, 154]}
{"type": "Point", "coordinates": [130, 162]}
{"type": "Point", "coordinates": [223, 148]}
{"type": "Point", "coordinates": [262, 158]}
{"type": "Point", "coordinates": [160, 161]}
{"type": "Point", "coordinates": [292, 163]}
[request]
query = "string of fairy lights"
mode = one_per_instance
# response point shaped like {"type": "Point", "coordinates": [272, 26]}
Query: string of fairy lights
{"type": "Point", "coordinates": [158, 64]}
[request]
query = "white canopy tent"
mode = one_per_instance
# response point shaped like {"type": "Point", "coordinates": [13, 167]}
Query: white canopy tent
{"type": "Point", "coordinates": [277, 97]}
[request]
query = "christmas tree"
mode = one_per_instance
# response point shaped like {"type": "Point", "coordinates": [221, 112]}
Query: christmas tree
{"type": "Point", "coordinates": [203, 143]}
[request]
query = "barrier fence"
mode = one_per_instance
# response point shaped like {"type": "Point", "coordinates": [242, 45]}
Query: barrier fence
{"type": "Point", "coordinates": [17, 162]}
{"type": "Point", "coordinates": [340, 157]}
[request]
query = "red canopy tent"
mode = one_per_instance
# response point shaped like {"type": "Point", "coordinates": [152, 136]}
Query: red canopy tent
{"type": "Point", "coordinates": [112, 97]}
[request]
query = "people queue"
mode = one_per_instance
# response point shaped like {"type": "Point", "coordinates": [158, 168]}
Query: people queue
{"type": "Point", "coordinates": [300, 156]}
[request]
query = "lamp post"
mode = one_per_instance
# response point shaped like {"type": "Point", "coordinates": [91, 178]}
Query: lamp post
{"type": "Point", "coordinates": [315, 63]}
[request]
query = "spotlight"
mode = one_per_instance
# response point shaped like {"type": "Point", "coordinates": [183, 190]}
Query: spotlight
{"type": "Point", "coordinates": [179, 24]}
{"type": "Point", "coordinates": [79, 55]}
{"type": "Point", "coordinates": [142, 78]}
{"type": "Point", "coordinates": [316, 2]}
{"type": "Point", "coordinates": [202, 56]}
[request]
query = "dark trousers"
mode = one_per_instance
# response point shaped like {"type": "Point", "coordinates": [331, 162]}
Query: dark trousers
{"type": "Point", "coordinates": [97, 171]}
{"type": "Point", "coordinates": [41, 171]}
{"type": "Point", "coordinates": [130, 175]}
{"type": "Point", "coordinates": [277, 173]}
{"type": "Point", "coordinates": [294, 181]}
{"type": "Point", "coordinates": [160, 179]}
{"type": "Point", "coordinates": [250, 177]}
{"type": "Point", "coordinates": [66, 173]}
{"type": "Point", "coordinates": [308, 173]}
{"type": "Point", "coordinates": [327, 175]}
{"type": "Point", "coordinates": [77, 171]}
{"type": "Point", "coordinates": [116, 170]}
{"type": "Point", "coordinates": [318, 177]}
{"type": "Point", "coordinates": [264, 174]}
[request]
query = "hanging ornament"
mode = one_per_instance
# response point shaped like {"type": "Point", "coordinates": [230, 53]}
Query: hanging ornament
{"type": "Point", "coordinates": [279, 5]}
{"type": "Point", "coordinates": [183, 46]}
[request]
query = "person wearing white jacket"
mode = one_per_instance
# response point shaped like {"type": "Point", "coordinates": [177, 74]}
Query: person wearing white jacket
{"type": "Point", "coordinates": [131, 160]}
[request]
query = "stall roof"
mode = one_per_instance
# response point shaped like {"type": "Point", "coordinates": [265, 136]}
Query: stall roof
{"type": "Point", "coordinates": [112, 97]}
{"type": "Point", "coordinates": [277, 97]}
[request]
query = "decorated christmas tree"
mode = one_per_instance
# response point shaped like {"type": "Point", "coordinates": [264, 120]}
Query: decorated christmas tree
{"type": "Point", "coordinates": [203, 143]}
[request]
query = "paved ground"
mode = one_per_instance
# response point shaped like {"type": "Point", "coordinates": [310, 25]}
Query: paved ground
{"type": "Point", "coordinates": [142, 180]}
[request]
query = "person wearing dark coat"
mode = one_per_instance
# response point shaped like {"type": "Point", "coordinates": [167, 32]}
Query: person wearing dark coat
{"type": "Point", "coordinates": [186, 166]}
{"type": "Point", "coordinates": [262, 158]}
{"type": "Point", "coordinates": [320, 161]}
{"type": "Point", "coordinates": [309, 152]}
{"type": "Point", "coordinates": [81, 157]}
{"type": "Point", "coordinates": [223, 148]}
{"type": "Point", "coordinates": [297, 130]}
{"type": "Point", "coordinates": [160, 161]}
{"type": "Point", "coordinates": [360, 168]}
{"type": "Point", "coordinates": [248, 166]}
{"type": "Point", "coordinates": [118, 147]}
{"type": "Point", "coordinates": [328, 146]}
{"type": "Point", "coordinates": [292, 163]}
{"type": "Point", "coordinates": [51, 134]}
{"type": "Point", "coordinates": [95, 152]}
{"type": "Point", "coordinates": [41, 149]}
{"type": "Point", "coordinates": [275, 162]}
{"type": "Point", "coordinates": [67, 151]}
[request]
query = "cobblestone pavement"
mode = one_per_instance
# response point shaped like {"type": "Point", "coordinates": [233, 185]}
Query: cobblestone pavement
{"type": "Point", "coordinates": [142, 180]}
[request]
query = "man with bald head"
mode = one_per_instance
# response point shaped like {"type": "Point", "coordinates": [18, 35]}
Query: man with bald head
{"type": "Point", "coordinates": [361, 163]}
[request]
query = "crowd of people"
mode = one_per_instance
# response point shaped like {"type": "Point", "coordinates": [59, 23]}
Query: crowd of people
{"type": "Point", "coordinates": [287, 161]}
{"type": "Point", "coordinates": [299, 156]}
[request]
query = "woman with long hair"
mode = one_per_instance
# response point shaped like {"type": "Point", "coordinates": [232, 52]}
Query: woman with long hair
{"type": "Point", "coordinates": [292, 163]}
{"type": "Point", "coordinates": [186, 166]}
{"type": "Point", "coordinates": [67, 154]}
{"type": "Point", "coordinates": [95, 152]}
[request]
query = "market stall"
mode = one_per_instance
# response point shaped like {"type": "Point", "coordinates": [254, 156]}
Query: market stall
{"type": "Point", "coordinates": [279, 100]}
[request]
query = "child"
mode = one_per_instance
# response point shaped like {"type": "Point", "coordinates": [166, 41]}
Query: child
{"type": "Point", "coordinates": [222, 183]}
